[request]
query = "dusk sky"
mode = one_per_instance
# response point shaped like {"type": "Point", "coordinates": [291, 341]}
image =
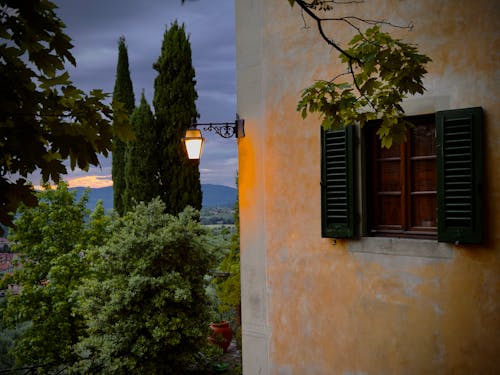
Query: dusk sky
{"type": "Point", "coordinates": [95, 26]}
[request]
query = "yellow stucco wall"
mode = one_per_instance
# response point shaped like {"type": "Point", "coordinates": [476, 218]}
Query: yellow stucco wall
{"type": "Point", "coordinates": [310, 306]}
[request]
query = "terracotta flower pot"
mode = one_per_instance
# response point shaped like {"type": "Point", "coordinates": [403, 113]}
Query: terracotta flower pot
{"type": "Point", "coordinates": [221, 334]}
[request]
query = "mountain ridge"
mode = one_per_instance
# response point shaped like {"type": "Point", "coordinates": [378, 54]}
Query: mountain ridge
{"type": "Point", "coordinates": [213, 196]}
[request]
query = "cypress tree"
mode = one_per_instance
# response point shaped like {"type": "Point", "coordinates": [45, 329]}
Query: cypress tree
{"type": "Point", "coordinates": [174, 104]}
{"type": "Point", "coordinates": [141, 184]}
{"type": "Point", "coordinates": [123, 92]}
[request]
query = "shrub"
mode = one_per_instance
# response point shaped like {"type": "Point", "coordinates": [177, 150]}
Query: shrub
{"type": "Point", "coordinates": [145, 301]}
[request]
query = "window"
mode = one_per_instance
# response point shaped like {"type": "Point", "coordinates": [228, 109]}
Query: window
{"type": "Point", "coordinates": [429, 187]}
{"type": "Point", "coordinates": [401, 182]}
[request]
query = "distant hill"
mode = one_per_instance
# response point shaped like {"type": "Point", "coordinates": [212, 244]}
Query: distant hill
{"type": "Point", "coordinates": [213, 196]}
{"type": "Point", "coordinates": [105, 194]}
{"type": "Point", "coordinates": [218, 195]}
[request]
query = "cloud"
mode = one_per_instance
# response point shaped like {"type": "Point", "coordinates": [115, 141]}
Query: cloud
{"type": "Point", "coordinates": [95, 57]}
{"type": "Point", "coordinates": [91, 181]}
{"type": "Point", "coordinates": [96, 25]}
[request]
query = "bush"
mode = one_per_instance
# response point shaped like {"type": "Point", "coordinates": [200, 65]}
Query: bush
{"type": "Point", "coordinates": [144, 301]}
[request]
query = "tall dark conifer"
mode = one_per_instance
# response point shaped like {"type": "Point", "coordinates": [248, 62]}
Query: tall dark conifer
{"type": "Point", "coordinates": [141, 167]}
{"type": "Point", "coordinates": [124, 93]}
{"type": "Point", "coordinates": [174, 104]}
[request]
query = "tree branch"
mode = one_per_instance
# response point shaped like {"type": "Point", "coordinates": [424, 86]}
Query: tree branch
{"type": "Point", "coordinates": [307, 9]}
{"type": "Point", "coordinates": [383, 71]}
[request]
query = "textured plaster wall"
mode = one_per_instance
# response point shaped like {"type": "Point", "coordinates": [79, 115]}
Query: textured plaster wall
{"type": "Point", "coordinates": [372, 306]}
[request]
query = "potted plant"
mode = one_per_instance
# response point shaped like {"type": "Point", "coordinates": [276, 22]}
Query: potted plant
{"type": "Point", "coordinates": [221, 334]}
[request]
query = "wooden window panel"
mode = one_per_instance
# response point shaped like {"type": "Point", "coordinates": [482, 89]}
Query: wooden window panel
{"type": "Point", "coordinates": [403, 199]}
{"type": "Point", "coordinates": [421, 162]}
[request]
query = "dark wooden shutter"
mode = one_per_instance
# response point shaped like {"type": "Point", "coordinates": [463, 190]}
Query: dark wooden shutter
{"type": "Point", "coordinates": [337, 183]}
{"type": "Point", "coordinates": [459, 175]}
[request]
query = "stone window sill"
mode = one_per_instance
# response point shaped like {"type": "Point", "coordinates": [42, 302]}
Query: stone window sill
{"type": "Point", "coordinates": [402, 247]}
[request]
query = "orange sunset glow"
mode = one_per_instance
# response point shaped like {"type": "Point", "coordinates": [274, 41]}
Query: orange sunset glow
{"type": "Point", "coordinates": [94, 182]}
{"type": "Point", "coordinates": [91, 181]}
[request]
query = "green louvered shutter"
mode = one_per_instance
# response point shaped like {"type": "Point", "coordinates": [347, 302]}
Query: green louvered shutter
{"type": "Point", "coordinates": [337, 183]}
{"type": "Point", "coordinates": [460, 175]}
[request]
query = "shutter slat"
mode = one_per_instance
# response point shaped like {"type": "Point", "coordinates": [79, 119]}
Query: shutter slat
{"type": "Point", "coordinates": [459, 168]}
{"type": "Point", "coordinates": [337, 183]}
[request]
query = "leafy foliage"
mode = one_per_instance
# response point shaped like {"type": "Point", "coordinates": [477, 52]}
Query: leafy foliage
{"type": "Point", "coordinates": [217, 215]}
{"type": "Point", "coordinates": [44, 118]}
{"type": "Point", "coordinates": [383, 71]}
{"type": "Point", "coordinates": [145, 300]}
{"type": "Point", "coordinates": [51, 240]}
{"type": "Point", "coordinates": [124, 93]}
{"type": "Point", "coordinates": [106, 294]}
{"type": "Point", "coordinates": [228, 289]}
{"type": "Point", "coordinates": [141, 168]}
{"type": "Point", "coordinates": [175, 108]}
{"type": "Point", "coordinates": [7, 338]}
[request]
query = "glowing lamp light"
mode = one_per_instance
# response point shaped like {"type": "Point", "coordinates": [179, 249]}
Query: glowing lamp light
{"type": "Point", "coordinates": [194, 143]}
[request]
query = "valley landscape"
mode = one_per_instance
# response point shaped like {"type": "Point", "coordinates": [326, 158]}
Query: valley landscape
{"type": "Point", "coordinates": [217, 207]}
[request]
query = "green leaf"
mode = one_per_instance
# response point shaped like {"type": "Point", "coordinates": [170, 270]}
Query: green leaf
{"type": "Point", "coordinates": [48, 82]}
{"type": "Point", "coordinates": [386, 142]}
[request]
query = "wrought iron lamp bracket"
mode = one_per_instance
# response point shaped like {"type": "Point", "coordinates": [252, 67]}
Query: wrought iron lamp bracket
{"type": "Point", "coordinates": [224, 129]}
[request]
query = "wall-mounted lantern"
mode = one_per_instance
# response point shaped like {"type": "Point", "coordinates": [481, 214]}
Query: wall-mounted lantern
{"type": "Point", "coordinates": [194, 143]}
{"type": "Point", "coordinates": [194, 140]}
